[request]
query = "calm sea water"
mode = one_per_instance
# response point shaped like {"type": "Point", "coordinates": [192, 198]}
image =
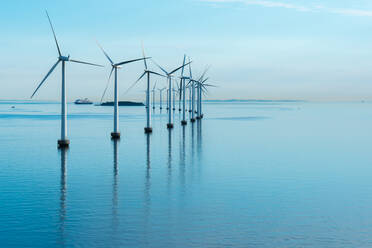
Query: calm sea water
{"type": "Point", "coordinates": [280, 174]}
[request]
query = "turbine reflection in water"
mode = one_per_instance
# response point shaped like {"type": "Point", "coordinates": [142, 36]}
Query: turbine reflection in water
{"type": "Point", "coordinates": [183, 159]}
{"type": "Point", "coordinates": [169, 164]}
{"type": "Point", "coordinates": [192, 140]}
{"type": "Point", "coordinates": [147, 194]}
{"type": "Point", "coordinates": [199, 138]}
{"type": "Point", "coordinates": [115, 219]}
{"type": "Point", "coordinates": [63, 195]}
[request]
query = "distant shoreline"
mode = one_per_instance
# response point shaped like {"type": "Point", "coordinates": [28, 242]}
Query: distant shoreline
{"type": "Point", "coordinates": [205, 101]}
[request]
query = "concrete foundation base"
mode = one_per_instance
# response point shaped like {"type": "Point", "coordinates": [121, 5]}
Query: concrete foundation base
{"type": "Point", "coordinates": [183, 123]}
{"type": "Point", "coordinates": [148, 129]}
{"type": "Point", "coordinates": [63, 143]}
{"type": "Point", "coordinates": [192, 120]}
{"type": "Point", "coordinates": [170, 125]}
{"type": "Point", "coordinates": [115, 135]}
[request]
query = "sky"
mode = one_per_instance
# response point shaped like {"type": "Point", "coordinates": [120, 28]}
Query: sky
{"type": "Point", "coordinates": [256, 49]}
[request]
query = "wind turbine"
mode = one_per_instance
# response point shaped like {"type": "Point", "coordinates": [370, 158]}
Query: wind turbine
{"type": "Point", "coordinates": [63, 142]}
{"type": "Point", "coordinates": [169, 76]}
{"type": "Point", "coordinates": [180, 95]}
{"type": "Point", "coordinates": [167, 98]}
{"type": "Point", "coordinates": [180, 87]}
{"type": "Point", "coordinates": [161, 97]}
{"type": "Point", "coordinates": [203, 85]}
{"type": "Point", "coordinates": [148, 128]}
{"type": "Point", "coordinates": [174, 99]}
{"type": "Point", "coordinates": [153, 96]}
{"type": "Point", "coordinates": [192, 95]}
{"type": "Point", "coordinates": [183, 93]}
{"type": "Point", "coordinates": [115, 66]}
{"type": "Point", "coordinates": [199, 84]}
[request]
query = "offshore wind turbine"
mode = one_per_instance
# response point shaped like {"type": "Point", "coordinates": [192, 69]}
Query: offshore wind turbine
{"type": "Point", "coordinates": [161, 97]}
{"type": "Point", "coordinates": [115, 66]}
{"type": "Point", "coordinates": [169, 76]}
{"type": "Point", "coordinates": [192, 95]}
{"type": "Point", "coordinates": [167, 99]}
{"type": "Point", "coordinates": [174, 98]}
{"type": "Point", "coordinates": [180, 95]}
{"type": "Point", "coordinates": [189, 87]}
{"type": "Point", "coordinates": [153, 96]}
{"type": "Point", "coordinates": [199, 84]}
{"type": "Point", "coordinates": [204, 90]}
{"type": "Point", "coordinates": [64, 141]}
{"type": "Point", "coordinates": [148, 128]}
{"type": "Point", "coordinates": [183, 93]}
{"type": "Point", "coordinates": [181, 87]}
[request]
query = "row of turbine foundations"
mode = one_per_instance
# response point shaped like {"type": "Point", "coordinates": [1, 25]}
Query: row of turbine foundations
{"type": "Point", "coordinates": [192, 84]}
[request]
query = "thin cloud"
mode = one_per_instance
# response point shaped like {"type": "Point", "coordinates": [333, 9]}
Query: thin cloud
{"type": "Point", "coordinates": [302, 8]}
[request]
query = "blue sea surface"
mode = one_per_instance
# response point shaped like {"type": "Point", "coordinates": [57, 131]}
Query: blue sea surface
{"type": "Point", "coordinates": [250, 174]}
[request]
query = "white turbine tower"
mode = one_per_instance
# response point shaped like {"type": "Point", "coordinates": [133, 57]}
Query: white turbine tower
{"type": "Point", "coordinates": [153, 96]}
{"type": "Point", "coordinates": [148, 128]}
{"type": "Point", "coordinates": [167, 98]}
{"type": "Point", "coordinates": [161, 97]}
{"type": "Point", "coordinates": [169, 76]}
{"type": "Point", "coordinates": [183, 94]}
{"type": "Point", "coordinates": [192, 85]}
{"type": "Point", "coordinates": [174, 98]}
{"type": "Point", "coordinates": [63, 142]}
{"type": "Point", "coordinates": [115, 66]}
{"type": "Point", "coordinates": [189, 87]}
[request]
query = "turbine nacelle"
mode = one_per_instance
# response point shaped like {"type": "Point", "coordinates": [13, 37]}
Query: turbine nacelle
{"type": "Point", "coordinates": [64, 58]}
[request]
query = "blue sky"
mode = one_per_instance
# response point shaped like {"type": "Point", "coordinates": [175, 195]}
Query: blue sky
{"type": "Point", "coordinates": [285, 49]}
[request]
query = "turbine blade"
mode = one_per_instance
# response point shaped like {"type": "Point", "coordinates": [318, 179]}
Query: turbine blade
{"type": "Point", "coordinates": [54, 34]}
{"type": "Point", "coordinates": [47, 75]}
{"type": "Point", "coordinates": [184, 60]}
{"type": "Point", "coordinates": [86, 63]}
{"type": "Point", "coordinates": [211, 85]}
{"type": "Point", "coordinates": [107, 84]}
{"type": "Point", "coordinates": [143, 74]}
{"type": "Point", "coordinates": [154, 86]}
{"type": "Point", "coordinates": [157, 73]}
{"type": "Point", "coordinates": [202, 76]}
{"type": "Point", "coordinates": [205, 80]}
{"type": "Point", "coordinates": [143, 54]}
{"type": "Point", "coordinates": [166, 73]}
{"type": "Point", "coordinates": [108, 57]}
{"type": "Point", "coordinates": [190, 68]}
{"type": "Point", "coordinates": [131, 61]}
{"type": "Point", "coordinates": [178, 68]}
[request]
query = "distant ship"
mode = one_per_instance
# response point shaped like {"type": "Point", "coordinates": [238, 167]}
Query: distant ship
{"type": "Point", "coordinates": [83, 101]}
{"type": "Point", "coordinates": [123, 103]}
